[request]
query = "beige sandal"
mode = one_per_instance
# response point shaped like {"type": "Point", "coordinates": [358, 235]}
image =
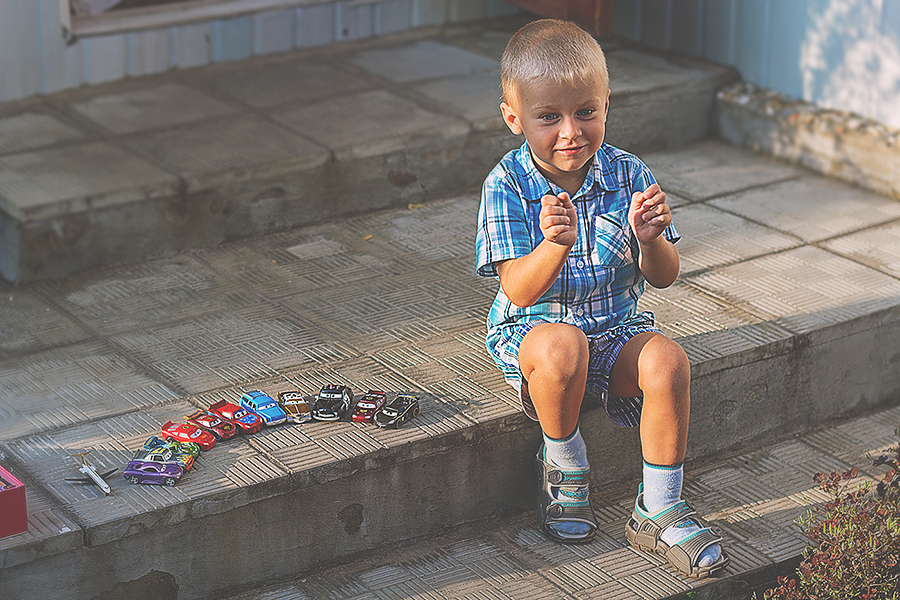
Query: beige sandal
{"type": "Point", "coordinates": [644, 529]}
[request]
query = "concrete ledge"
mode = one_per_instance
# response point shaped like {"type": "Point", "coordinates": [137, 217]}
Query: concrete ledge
{"type": "Point", "coordinates": [147, 168]}
{"type": "Point", "coordinates": [834, 143]}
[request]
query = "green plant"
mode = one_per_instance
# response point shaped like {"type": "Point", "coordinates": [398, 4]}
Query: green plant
{"type": "Point", "coordinates": [855, 551]}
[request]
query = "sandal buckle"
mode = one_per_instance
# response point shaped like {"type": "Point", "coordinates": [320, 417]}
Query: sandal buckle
{"type": "Point", "coordinates": [556, 477]}
{"type": "Point", "coordinates": [554, 511]}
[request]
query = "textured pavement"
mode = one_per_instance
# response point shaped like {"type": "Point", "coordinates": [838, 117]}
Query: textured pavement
{"type": "Point", "coordinates": [389, 300]}
{"type": "Point", "coordinates": [787, 305]}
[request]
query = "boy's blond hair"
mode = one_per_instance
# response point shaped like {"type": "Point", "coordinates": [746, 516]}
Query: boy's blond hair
{"type": "Point", "coordinates": [551, 49]}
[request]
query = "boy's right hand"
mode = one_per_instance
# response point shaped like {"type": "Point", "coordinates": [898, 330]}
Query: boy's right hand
{"type": "Point", "coordinates": [559, 221]}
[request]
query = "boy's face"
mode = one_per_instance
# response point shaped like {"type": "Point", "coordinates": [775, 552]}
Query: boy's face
{"type": "Point", "coordinates": [564, 126]}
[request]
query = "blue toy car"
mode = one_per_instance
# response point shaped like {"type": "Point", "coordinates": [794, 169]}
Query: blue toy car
{"type": "Point", "coordinates": [264, 406]}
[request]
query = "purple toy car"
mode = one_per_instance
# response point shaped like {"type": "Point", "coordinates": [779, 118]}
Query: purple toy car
{"type": "Point", "coordinates": [140, 471]}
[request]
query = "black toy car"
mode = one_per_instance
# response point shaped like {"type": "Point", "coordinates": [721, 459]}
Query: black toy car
{"type": "Point", "coordinates": [397, 412]}
{"type": "Point", "coordinates": [332, 402]}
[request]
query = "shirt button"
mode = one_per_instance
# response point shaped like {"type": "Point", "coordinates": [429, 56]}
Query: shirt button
{"type": "Point", "coordinates": [580, 264]}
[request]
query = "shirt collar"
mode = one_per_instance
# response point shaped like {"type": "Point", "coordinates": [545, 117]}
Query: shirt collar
{"type": "Point", "coordinates": [600, 174]}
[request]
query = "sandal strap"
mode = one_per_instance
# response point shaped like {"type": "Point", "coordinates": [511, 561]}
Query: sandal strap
{"type": "Point", "coordinates": [566, 477]}
{"type": "Point", "coordinates": [687, 552]}
{"type": "Point", "coordinates": [650, 527]}
{"type": "Point", "coordinates": [656, 523]}
{"type": "Point", "coordinates": [567, 512]}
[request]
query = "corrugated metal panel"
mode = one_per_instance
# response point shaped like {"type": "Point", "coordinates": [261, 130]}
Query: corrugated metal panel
{"type": "Point", "coordinates": [19, 49]}
{"type": "Point", "coordinates": [655, 21]}
{"type": "Point", "coordinates": [686, 27]}
{"type": "Point", "coordinates": [315, 25]}
{"type": "Point", "coordinates": [192, 45]}
{"type": "Point", "coordinates": [784, 71]}
{"type": "Point", "coordinates": [35, 58]}
{"type": "Point", "coordinates": [429, 12]}
{"type": "Point", "coordinates": [354, 21]}
{"type": "Point", "coordinates": [232, 39]}
{"type": "Point", "coordinates": [273, 32]}
{"type": "Point", "coordinates": [61, 63]}
{"type": "Point", "coordinates": [717, 41]}
{"type": "Point", "coordinates": [751, 40]}
{"type": "Point", "coordinates": [392, 16]}
{"type": "Point", "coordinates": [104, 58]}
{"type": "Point", "coordinates": [149, 52]}
{"type": "Point", "coordinates": [466, 10]}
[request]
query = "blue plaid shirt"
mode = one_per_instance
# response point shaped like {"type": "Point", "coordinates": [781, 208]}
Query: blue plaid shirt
{"type": "Point", "coordinates": [600, 284]}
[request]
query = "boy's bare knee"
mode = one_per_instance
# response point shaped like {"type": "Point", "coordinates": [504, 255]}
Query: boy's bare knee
{"type": "Point", "coordinates": [663, 364]}
{"type": "Point", "coordinates": [554, 350]}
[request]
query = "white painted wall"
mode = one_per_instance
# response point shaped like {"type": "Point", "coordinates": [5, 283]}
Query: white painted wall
{"type": "Point", "coordinates": [839, 54]}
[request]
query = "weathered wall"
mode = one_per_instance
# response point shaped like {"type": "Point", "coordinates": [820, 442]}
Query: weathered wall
{"type": "Point", "coordinates": [839, 54]}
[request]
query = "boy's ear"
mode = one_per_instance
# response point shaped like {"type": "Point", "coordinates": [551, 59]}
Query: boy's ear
{"type": "Point", "coordinates": [510, 118]}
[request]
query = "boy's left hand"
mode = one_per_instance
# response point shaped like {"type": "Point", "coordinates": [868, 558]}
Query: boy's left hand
{"type": "Point", "coordinates": [649, 214]}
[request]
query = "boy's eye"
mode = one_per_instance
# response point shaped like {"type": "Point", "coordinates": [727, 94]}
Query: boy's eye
{"type": "Point", "coordinates": [548, 117]}
{"type": "Point", "coordinates": [586, 113]}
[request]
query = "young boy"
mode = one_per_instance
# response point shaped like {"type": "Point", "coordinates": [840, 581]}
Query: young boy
{"type": "Point", "coordinates": [573, 227]}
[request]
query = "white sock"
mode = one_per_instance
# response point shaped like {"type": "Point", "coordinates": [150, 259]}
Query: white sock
{"type": "Point", "coordinates": [568, 453]}
{"type": "Point", "coordinates": [662, 488]}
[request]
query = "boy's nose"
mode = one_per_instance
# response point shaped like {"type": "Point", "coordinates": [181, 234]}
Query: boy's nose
{"type": "Point", "coordinates": [569, 128]}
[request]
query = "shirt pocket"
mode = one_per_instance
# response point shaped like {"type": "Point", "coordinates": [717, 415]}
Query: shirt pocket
{"type": "Point", "coordinates": [612, 247]}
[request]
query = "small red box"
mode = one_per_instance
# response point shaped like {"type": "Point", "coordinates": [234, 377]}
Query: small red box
{"type": "Point", "coordinates": [13, 516]}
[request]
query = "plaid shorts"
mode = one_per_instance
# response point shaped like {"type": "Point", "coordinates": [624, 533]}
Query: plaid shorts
{"type": "Point", "coordinates": [604, 350]}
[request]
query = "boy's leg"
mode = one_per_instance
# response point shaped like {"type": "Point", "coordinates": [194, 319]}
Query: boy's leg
{"type": "Point", "coordinates": [553, 359]}
{"type": "Point", "coordinates": [652, 365]}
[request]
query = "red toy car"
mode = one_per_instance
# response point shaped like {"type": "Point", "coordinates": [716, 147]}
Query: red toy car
{"type": "Point", "coordinates": [366, 407]}
{"type": "Point", "coordinates": [245, 420]}
{"type": "Point", "coordinates": [185, 432]}
{"type": "Point", "coordinates": [213, 424]}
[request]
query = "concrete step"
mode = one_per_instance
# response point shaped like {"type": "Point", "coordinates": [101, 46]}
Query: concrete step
{"type": "Point", "coordinates": [192, 159]}
{"type": "Point", "coordinates": [789, 315]}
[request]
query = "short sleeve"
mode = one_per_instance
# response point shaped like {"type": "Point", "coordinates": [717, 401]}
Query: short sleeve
{"type": "Point", "coordinates": [503, 229]}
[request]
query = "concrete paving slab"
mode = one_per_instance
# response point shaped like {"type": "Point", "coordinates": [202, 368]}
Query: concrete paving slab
{"type": "Point", "coordinates": [812, 208]}
{"type": "Point", "coordinates": [166, 105]}
{"type": "Point", "coordinates": [426, 59]}
{"type": "Point", "coordinates": [32, 130]}
{"type": "Point", "coordinates": [878, 248]}
{"type": "Point", "coordinates": [71, 384]}
{"type": "Point", "coordinates": [369, 123]}
{"type": "Point", "coordinates": [218, 154]}
{"type": "Point", "coordinates": [714, 238]}
{"type": "Point", "coordinates": [475, 97]}
{"type": "Point", "coordinates": [801, 289]}
{"type": "Point", "coordinates": [287, 82]}
{"type": "Point", "coordinates": [225, 349]}
{"type": "Point", "coordinates": [146, 294]}
{"type": "Point", "coordinates": [112, 443]}
{"type": "Point", "coordinates": [629, 71]}
{"type": "Point", "coordinates": [57, 182]}
{"type": "Point", "coordinates": [27, 323]}
{"type": "Point", "coordinates": [712, 168]}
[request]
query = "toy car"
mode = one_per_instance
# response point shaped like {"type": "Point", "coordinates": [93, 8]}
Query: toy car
{"type": "Point", "coordinates": [368, 405]}
{"type": "Point", "coordinates": [213, 424]}
{"type": "Point", "coordinates": [332, 403]}
{"type": "Point", "coordinates": [140, 471]}
{"type": "Point", "coordinates": [295, 406]}
{"type": "Point", "coordinates": [185, 432]}
{"type": "Point", "coordinates": [168, 451]}
{"type": "Point", "coordinates": [263, 406]}
{"type": "Point", "coordinates": [232, 413]}
{"type": "Point", "coordinates": [397, 412]}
